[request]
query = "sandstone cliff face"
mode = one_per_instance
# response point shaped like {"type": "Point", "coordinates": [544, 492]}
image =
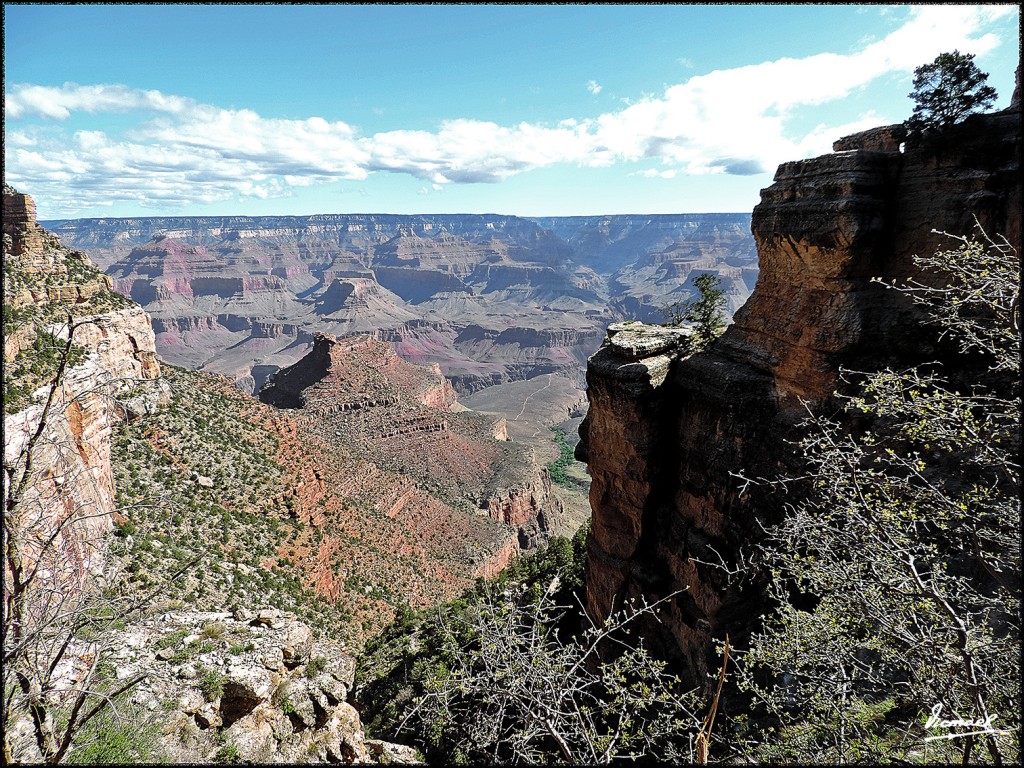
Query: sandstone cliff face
{"type": "Point", "coordinates": [114, 376]}
{"type": "Point", "coordinates": [666, 430]}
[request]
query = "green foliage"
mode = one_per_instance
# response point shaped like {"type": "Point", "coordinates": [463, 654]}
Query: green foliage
{"type": "Point", "coordinates": [227, 754]}
{"type": "Point", "coordinates": [946, 91]}
{"type": "Point", "coordinates": [556, 468]}
{"type": "Point", "coordinates": [395, 665]}
{"type": "Point", "coordinates": [211, 683]}
{"type": "Point", "coordinates": [897, 577]}
{"type": "Point", "coordinates": [316, 665]}
{"type": "Point", "coordinates": [123, 735]}
{"type": "Point", "coordinates": [455, 679]}
{"type": "Point", "coordinates": [36, 365]}
{"type": "Point", "coordinates": [171, 639]}
{"type": "Point", "coordinates": [705, 314]}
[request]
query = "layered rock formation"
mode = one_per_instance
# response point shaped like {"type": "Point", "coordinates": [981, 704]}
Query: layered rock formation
{"type": "Point", "coordinates": [358, 393]}
{"type": "Point", "coordinates": [492, 299]}
{"type": "Point", "coordinates": [59, 413]}
{"type": "Point", "coordinates": [666, 431]}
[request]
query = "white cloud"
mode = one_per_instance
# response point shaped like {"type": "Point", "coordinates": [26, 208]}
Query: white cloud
{"type": "Point", "coordinates": [652, 173]}
{"type": "Point", "coordinates": [57, 103]}
{"type": "Point", "coordinates": [727, 121]}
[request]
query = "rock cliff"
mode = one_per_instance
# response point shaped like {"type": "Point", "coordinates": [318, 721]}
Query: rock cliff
{"type": "Point", "coordinates": [111, 374]}
{"type": "Point", "coordinates": [667, 430]}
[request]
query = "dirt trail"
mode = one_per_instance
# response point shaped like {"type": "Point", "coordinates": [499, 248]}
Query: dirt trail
{"type": "Point", "coordinates": [527, 400]}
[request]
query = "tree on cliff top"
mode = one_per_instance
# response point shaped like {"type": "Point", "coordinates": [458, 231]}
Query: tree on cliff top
{"type": "Point", "coordinates": [946, 91]}
{"type": "Point", "coordinates": [904, 643]}
{"type": "Point", "coordinates": [705, 313]}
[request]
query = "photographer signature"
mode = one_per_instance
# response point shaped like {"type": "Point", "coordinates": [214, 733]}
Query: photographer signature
{"type": "Point", "coordinates": [983, 724]}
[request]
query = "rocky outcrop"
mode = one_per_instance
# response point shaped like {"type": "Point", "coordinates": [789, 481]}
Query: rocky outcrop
{"type": "Point", "coordinates": [666, 431]}
{"type": "Point", "coordinates": [112, 374]}
{"type": "Point", "coordinates": [20, 223]}
{"type": "Point", "coordinates": [357, 392]}
{"type": "Point", "coordinates": [251, 686]}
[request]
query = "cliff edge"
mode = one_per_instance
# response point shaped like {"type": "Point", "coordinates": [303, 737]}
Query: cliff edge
{"type": "Point", "coordinates": [111, 374]}
{"type": "Point", "coordinates": [667, 430]}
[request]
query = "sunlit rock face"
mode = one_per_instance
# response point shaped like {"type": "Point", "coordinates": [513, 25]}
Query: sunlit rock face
{"type": "Point", "coordinates": [357, 392]}
{"type": "Point", "coordinates": [114, 375]}
{"type": "Point", "coordinates": [668, 432]}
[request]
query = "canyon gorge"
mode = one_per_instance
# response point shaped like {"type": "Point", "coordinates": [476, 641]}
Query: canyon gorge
{"type": "Point", "coordinates": [491, 299]}
{"type": "Point", "coordinates": [312, 424]}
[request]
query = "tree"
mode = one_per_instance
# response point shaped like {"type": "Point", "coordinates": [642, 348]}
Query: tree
{"type": "Point", "coordinates": [705, 313]}
{"type": "Point", "coordinates": [522, 692]}
{"type": "Point", "coordinates": [897, 577]}
{"type": "Point", "coordinates": [946, 91]}
{"type": "Point", "coordinates": [514, 672]}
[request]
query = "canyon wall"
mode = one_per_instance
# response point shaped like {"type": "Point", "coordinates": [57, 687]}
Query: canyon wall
{"type": "Point", "coordinates": [492, 299]}
{"type": "Point", "coordinates": [112, 374]}
{"type": "Point", "coordinates": [668, 432]}
{"type": "Point", "coordinates": [358, 393]}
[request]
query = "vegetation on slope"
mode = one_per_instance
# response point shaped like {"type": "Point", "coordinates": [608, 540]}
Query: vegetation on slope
{"type": "Point", "coordinates": [196, 485]}
{"type": "Point", "coordinates": [897, 574]}
{"type": "Point", "coordinates": [514, 672]}
{"type": "Point", "coordinates": [272, 514]}
{"type": "Point", "coordinates": [566, 458]}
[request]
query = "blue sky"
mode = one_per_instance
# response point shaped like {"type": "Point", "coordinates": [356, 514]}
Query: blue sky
{"type": "Point", "coordinates": [532, 110]}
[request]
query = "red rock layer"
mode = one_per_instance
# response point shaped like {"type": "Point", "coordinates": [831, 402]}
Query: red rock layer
{"type": "Point", "coordinates": [666, 432]}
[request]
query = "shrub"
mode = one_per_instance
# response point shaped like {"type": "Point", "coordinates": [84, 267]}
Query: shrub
{"type": "Point", "coordinates": [211, 683]}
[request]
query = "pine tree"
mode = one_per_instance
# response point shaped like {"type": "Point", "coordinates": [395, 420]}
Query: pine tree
{"type": "Point", "coordinates": [946, 91]}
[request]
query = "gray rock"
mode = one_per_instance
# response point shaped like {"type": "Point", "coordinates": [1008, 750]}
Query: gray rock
{"type": "Point", "coordinates": [392, 754]}
{"type": "Point", "coordinates": [298, 642]}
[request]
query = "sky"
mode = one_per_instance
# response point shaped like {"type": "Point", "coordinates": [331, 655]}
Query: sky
{"type": "Point", "coordinates": [530, 110]}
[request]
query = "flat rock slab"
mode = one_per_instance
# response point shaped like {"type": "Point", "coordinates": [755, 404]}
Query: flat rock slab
{"type": "Point", "coordinates": [638, 340]}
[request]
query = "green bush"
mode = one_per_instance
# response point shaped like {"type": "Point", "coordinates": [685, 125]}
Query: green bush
{"type": "Point", "coordinates": [211, 683]}
{"type": "Point", "coordinates": [129, 736]}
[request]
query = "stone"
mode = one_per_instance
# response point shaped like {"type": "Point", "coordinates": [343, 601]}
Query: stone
{"type": "Point", "coordinates": [208, 716]}
{"type": "Point", "coordinates": [392, 754]}
{"type": "Point", "coordinates": [667, 429]}
{"type": "Point", "coordinates": [254, 738]}
{"type": "Point", "coordinates": [343, 739]}
{"type": "Point", "coordinates": [298, 642]}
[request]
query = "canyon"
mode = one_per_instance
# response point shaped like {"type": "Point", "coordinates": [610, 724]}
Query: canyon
{"type": "Point", "coordinates": [671, 435]}
{"type": "Point", "coordinates": [361, 485]}
{"type": "Point", "coordinates": [358, 481]}
{"type": "Point", "coordinates": [491, 299]}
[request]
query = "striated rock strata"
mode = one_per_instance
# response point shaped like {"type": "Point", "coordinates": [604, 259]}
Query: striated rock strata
{"type": "Point", "coordinates": [358, 393]}
{"type": "Point", "coordinates": [112, 375]}
{"type": "Point", "coordinates": [491, 298]}
{"type": "Point", "coordinates": [667, 430]}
